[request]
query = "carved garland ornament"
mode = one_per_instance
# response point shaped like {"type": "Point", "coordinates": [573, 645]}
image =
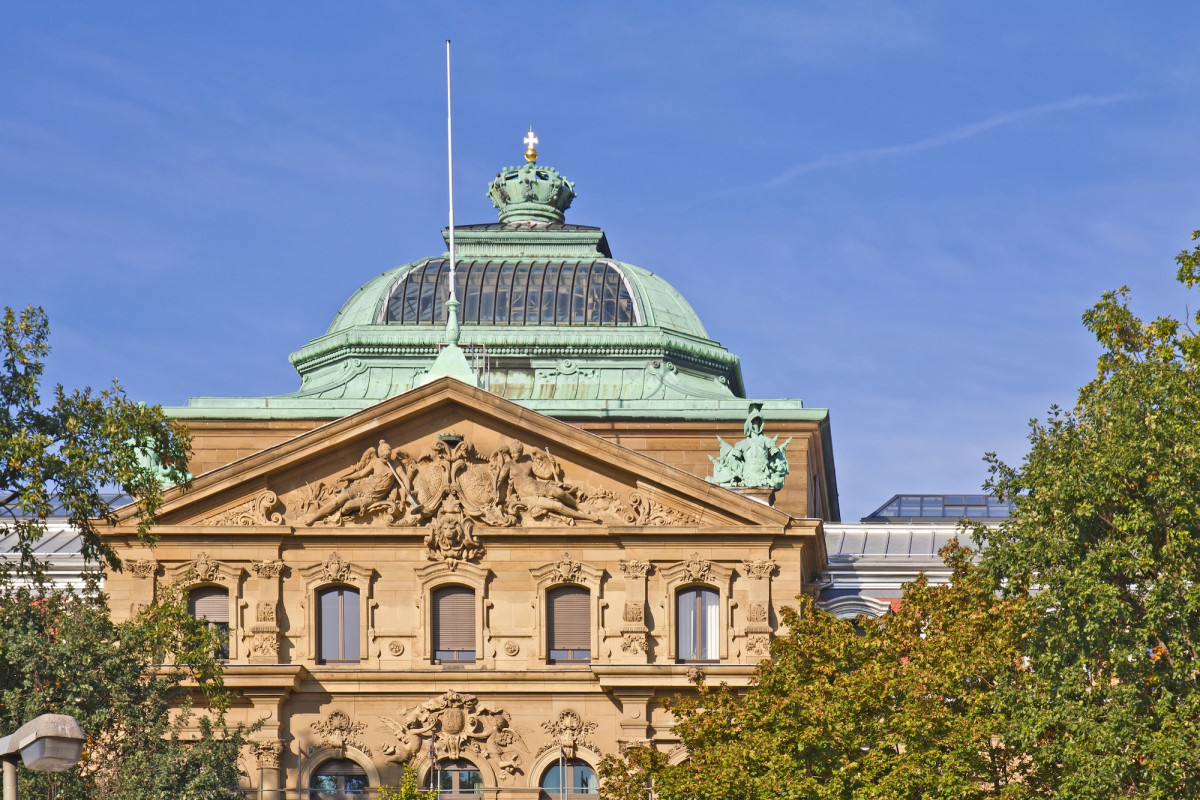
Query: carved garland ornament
{"type": "Point", "coordinates": [697, 568]}
{"type": "Point", "coordinates": [335, 569]}
{"type": "Point", "coordinates": [636, 569]}
{"type": "Point", "coordinates": [759, 570]}
{"type": "Point", "coordinates": [566, 570]}
{"type": "Point", "coordinates": [451, 724]}
{"type": "Point", "coordinates": [453, 487]}
{"type": "Point", "coordinates": [570, 732]}
{"type": "Point", "coordinates": [267, 569]}
{"type": "Point", "coordinates": [142, 567]}
{"type": "Point", "coordinates": [205, 569]}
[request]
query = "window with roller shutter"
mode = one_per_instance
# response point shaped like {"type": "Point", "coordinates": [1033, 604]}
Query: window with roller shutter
{"type": "Point", "coordinates": [210, 604]}
{"type": "Point", "coordinates": [454, 629]}
{"type": "Point", "coordinates": [569, 624]}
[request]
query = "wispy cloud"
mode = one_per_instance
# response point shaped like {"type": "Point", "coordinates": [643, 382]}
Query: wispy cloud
{"type": "Point", "coordinates": [947, 137]}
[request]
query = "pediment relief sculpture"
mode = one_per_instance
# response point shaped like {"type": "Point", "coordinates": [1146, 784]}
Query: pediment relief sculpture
{"type": "Point", "coordinates": [260, 510]}
{"type": "Point", "coordinates": [515, 485]}
{"type": "Point", "coordinates": [451, 724]}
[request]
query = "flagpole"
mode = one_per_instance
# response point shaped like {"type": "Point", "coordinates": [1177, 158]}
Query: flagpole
{"type": "Point", "coordinates": [450, 173]}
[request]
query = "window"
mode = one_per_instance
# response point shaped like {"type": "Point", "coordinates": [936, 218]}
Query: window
{"type": "Point", "coordinates": [698, 625]}
{"type": "Point", "coordinates": [570, 778]}
{"type": "Point", "coordinates": [454, 625]}
{"type": "Point", "coordinates": [340, 778]}
{"type": "Point", "coordinates": [337, 625]}
{"type": "Point", "coordinates": [455, 779]}
{"type": "Point", "coordinates": [211, 604]}
{"type": "Point", "coordinates": [568, 624]}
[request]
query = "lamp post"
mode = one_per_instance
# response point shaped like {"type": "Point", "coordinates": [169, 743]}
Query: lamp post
{"type": "Point", "coordinates": [49, 743]}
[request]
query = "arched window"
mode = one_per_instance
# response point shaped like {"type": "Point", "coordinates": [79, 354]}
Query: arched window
{"type": "Point", "coordinates": [453, 618]}
{"type": "Point", "coordinates": [337, 625]}
{"type": "Point", "coordinates": [454, 779]}
{"type": "Point", "coordinates": [568, 624]}
{"type": "Point", "coordinates": [697, 624]}
{"type": "Point", "coordinates": [210, 604]}
{"type": "Point", "coordinates": [337, 779]}
{"type": "Point", "coordinates": [570, 778]}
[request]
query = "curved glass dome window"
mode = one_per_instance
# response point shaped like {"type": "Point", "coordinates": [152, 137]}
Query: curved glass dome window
{"type": "Point", "coordinates": [515, 293]}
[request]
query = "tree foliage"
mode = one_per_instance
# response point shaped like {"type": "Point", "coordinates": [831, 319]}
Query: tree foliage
{"type": "Point", "coordinates": [74, 450]}
{"type": "Point", "coordinates": [61, 653]}
{"type": "Point", "coordinates": [408, 788]}
{"type": "Point", "coordinates": [1107, 535]}
{"type": "Point", "coordinates": [903, 706]}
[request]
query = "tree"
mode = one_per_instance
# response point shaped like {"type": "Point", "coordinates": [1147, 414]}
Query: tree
{"type": "Point", "coordinates": [1106, 533]}
{"type": "Point", "coordinates": [408, 788]}
{"type": "Point", "coordinates": [59, 650]}
{"type": "Point", "coordinates": [75, 449]}
{"type": "Point", "coordinates": [903, 706]}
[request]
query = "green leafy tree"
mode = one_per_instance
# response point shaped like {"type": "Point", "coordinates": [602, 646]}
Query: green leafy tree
{"type": "Point", "coordinates": [60, 651]}
{"type": "Point", "coordinates": [408, 788]}
{"type": "Point", "coordinates": [1106, 535]}
{"type": "Point", "coordinates": [73, 451]}
{"type": "Point", "coordinates": [904, 706]}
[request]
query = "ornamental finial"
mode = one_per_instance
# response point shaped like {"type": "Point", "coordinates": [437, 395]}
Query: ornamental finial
{"type": "Point", "coordinates": [530, 140]}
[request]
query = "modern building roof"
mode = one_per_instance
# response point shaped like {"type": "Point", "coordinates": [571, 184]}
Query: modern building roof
{"type": "Point", "coordinates": [928, 507]}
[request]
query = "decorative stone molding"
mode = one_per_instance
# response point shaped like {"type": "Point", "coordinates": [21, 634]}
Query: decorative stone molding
{"type": "Point", "coordinates": [634, 612]}
{"type": "Point", "coordinates": [204, 569]}
{"type": "Point", "coordinates": [267, 569]}
{"type": "Point", "coordinates": [142, 567]}
{"type": "Point", "coordinates": [647, 511]}
{"type": "Point", "coordinates": [759, 570]}
{"type": "Point", "coordinates": [261, 510]}
{"type": "Point", "coordinates": [451, 539]}
{"type": "Point", "coordinates": [695, 674]}
{"type": "Point", "coordinates": [636, 569]}
{"type": "Point", "coordinates": [758, 644]}
{"type": "Point", "coordinates": [568, 731]}
{"type": "Point", "coordinates": [634, 643]}
{"type": "Point", "coordinates": [511, 648]}
{"type": "Point", "coordinates": [515, 485]}
{"type": "Point", "coordinates": [396, 647]}
{"type": "Point", "coordinates": [265, 612]}
{"type": "Point", "coordinates": [566, 570]}
{"type": "Point", "coordinates": [267, 752]}
{"type": "Point", "coordinates": [264, 646]}
{"type": "Point", "coordinates": [453, 724]}
{"type": "Point", "coordinates": [339, 731]}
{"type": "Point", "coordinates": [335, 569]}
{"type": "Point", "coordinates": [697, 568]}
{"type": "Point", "coordinates": [759, 613]}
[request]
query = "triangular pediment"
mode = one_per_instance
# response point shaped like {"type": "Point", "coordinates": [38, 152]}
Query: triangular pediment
{"type": "Point", "coordinates": [451, 450]}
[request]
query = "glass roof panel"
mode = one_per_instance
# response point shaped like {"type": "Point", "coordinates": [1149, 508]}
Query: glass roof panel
{"type": "Point", "coordinates": [514, 293]}
{"type": "Point", "coordinates": [917, 507]}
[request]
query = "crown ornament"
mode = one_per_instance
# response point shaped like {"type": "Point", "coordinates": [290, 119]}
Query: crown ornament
{"type": "Point", "coordinates": [531, 191]}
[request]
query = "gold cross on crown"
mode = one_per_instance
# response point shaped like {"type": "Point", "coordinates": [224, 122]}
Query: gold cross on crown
{"type": "Point", "coordinates": [530, 140]}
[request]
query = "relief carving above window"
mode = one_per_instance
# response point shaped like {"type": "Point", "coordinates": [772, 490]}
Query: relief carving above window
{"type": "Point", "coordinates": [454, 723]}
{"type": "Point", "coordinates": [515, 485]}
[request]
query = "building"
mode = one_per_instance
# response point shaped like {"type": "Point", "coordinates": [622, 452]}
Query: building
{"type": "Point", "coordinates": [493, 529]}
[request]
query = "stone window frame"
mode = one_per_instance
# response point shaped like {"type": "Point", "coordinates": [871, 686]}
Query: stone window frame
{"type": "Point", "coordinates": [680, 576]}
{"type": "Point", "coordinates": [432, 577]}
{"type": "Point", "coordinates": [184, 578]}
{"type": "Point", "coordinates": [852, 606]}
{"type": "Point", "coordinates": [323, 754]}
{"type": "Point", "coordinates": [491, 780]}
{"type": "Point", "coordinates": [549, 576]}
{"type": "Point", "coordinates": [318, 577]}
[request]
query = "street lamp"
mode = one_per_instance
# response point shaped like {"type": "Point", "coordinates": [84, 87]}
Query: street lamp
{"type": "Point", "coordinates": [50, 743]}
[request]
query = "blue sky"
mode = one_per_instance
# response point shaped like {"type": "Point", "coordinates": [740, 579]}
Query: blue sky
{"type": "Point", "coordinates": [896, 211]}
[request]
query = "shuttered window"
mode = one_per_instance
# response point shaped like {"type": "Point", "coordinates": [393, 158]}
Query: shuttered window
{"type": "Point", "coordinates": [454, 624]}
{"type": "Point", "coordinates": [569, 623]}
{"type": "Point", "coordinates": [337, 625]}
{"type": "Point", "coordinates": [211, 604]}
